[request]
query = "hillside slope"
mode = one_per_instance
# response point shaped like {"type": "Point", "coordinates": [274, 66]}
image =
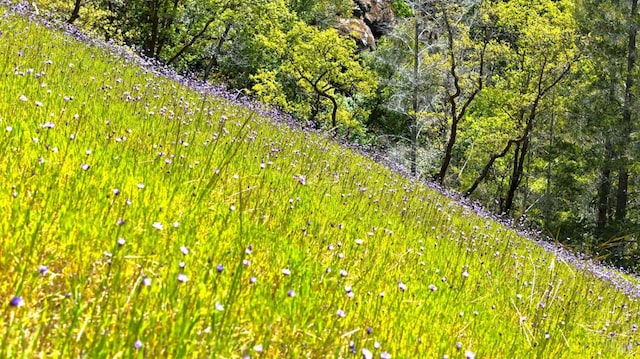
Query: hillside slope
{"type": "Point", "coordinates": [141, 216]}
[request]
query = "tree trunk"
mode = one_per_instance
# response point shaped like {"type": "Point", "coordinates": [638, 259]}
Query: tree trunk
{"type": "Point", "coordinates": [519, 157]}
{"type": "Point", "coordinates": [623, 172]}
{"type": "Point", "coordinates": [190, 43]}
{"type": "Point", "coordinates": [334, 113]}
{"type": "Point", "coordinates": [75, 13]}
{"type": "Point", "coordinates": [604, 189]}
{"type": "Point", "coordinates": [414, 103]}
{"type": "Point", "coordinates": [154, 23]}
{"type": "Point", "coordinates": [489, 164]}
{"type": "Point", "coordinates": [213, 63]}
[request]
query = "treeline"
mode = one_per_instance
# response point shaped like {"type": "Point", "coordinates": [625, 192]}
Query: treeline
{"type": "Point", "coordinates": [529, 106]}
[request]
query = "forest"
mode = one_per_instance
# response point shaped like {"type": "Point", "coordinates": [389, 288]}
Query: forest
{"type": "Point", "coordinates": [529, 107]}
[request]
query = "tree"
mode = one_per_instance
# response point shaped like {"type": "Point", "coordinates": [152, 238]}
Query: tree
{"type": "Point", "coordinates": [440, 70]}
{"type": "Point", "coordinates": [542, 51]}
{"type": "Point", "coordinates": [318, 71]}
{"type": "Point", "coordinates": [611, 85]}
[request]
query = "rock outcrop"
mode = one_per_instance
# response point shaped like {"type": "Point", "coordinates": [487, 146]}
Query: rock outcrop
{"type": "Point", "coordinates": [371, 20]}
{"type": "Point", "coordinates": [377, 14]}
{"type": "Point", "coordinates": [358, 30]}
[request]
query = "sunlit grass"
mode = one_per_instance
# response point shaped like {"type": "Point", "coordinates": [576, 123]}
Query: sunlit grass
{"type": "Point", "coordinates": [141, 217]}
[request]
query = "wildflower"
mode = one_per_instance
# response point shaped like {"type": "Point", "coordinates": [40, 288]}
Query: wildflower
{"type": "Point", "coordinates": [121, 242]}
{"type": "Point", "coordinates": [468, 354]}
{"type": "Point", "coordinates": [23, 98]}
{"type": "Point", "coordinates": [465, 274]}
{"type": "Point", "coordinates": [184, 249]}
{"type": "Point", "coordinates": [359, 241]}
{"type": "Point", "coordinates": [286, 271]}
{"type": "Point", "coordinates": [432, 287]}
{"type": "Point", "coordinates": [43, 270]}
{"type": "Point", "coordinates": [182, 278]}
{"type": "Point", "coordinates": [258, 348]}
{"type": "Point", "coordinates": [219, 268]}
{"type": "Point", "coordinates": [246, 262]}
{"type": "Point", "coordinates": [252, 280]}
{"type": "Point", "coordinates": [16, 302]}
{"type": "Point", "coordinates": [146, 282]}
{"type": "Point", "coordinates": [402, 286]}
{"type": "Point", "coordinates": [137, 344]}
{"type": "Point", "coordinates": [158, 226]}
{"type": "Point", "coordinates": [9, 128]}
{"type": "Point", "coordinates": [341, 313]}
{"type": "Point", "coordinates": [176, 224]}
{"type": "Point", "coordinates": [302, 180]}
{"type": "Point", "coordinates": [366, 354]}
{"type": "Point", "coordinates": [140, 185]}
{"type": "Point", "coordinates": [291, 293]}
{"type": "Point", "coordinates": [385, 355]}
{"type": "Point", "coordinates": [219, 307]}
{"type": "Point", "coordinates": [369, 330]}
{"type": "Point", "coordinates": [343, 273]}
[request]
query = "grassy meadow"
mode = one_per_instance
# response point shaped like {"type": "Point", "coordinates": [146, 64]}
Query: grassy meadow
{"type": "Point", "coordinates": [144, 216]}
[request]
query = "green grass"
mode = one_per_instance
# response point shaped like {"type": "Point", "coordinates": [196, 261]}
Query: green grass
{"type": "Point", "coordinates": [132, 149]}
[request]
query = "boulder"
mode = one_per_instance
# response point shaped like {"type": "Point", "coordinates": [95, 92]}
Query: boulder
{"type": "Point", "coordinates": [358, 30]}
{"type": "Point", "coordinates": [379, 15]}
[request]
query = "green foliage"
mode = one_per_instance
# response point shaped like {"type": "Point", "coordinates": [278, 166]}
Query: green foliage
{"type": "Point", "coordinates": [318, 77]}
{"type": "Point", "coordinates": [401, 8]}
{"type": "Point", "coordinates": [321, 13]}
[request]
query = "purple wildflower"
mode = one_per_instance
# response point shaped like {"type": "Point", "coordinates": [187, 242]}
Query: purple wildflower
{"type": "Point", "coordinates": [138, 344]}
{"type": "Point", "coordinates": [16, 302]}
{"type": "Point", "coordinates": [291, 293]}
{"type": "Point", "coordinates": [219, 268]}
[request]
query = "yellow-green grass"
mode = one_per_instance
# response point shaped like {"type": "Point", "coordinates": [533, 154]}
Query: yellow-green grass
{"type": "Point", "coordinates": [94, 149]}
